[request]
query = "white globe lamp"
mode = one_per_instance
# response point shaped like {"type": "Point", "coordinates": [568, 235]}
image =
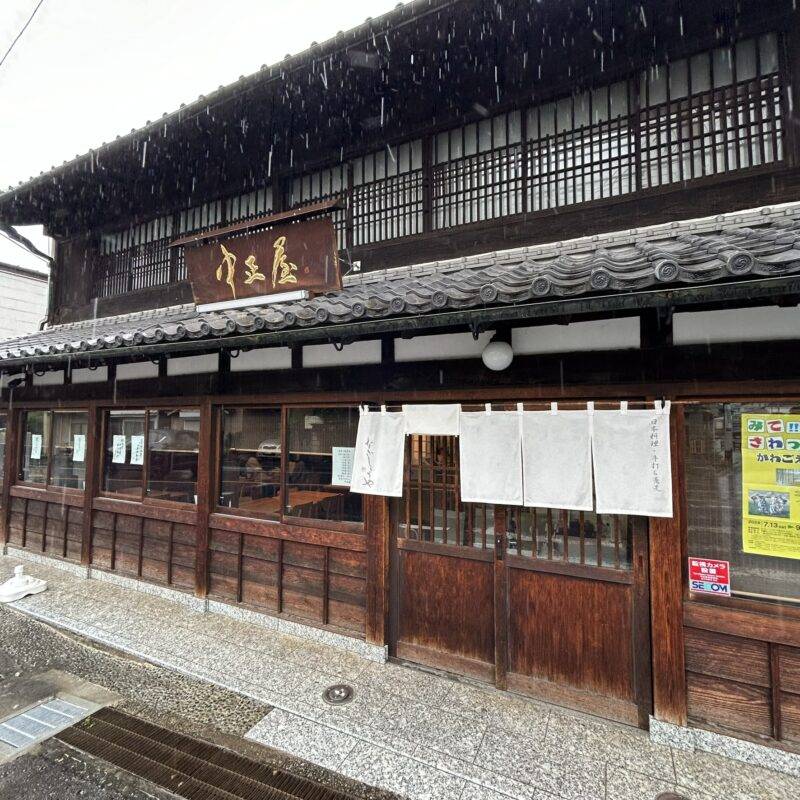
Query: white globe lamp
{"type": "Point", "coordinates": [497, 356]}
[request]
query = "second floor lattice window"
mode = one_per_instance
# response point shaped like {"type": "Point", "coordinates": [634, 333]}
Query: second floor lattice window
{"type": "Point", "coordinates": [692, 119]}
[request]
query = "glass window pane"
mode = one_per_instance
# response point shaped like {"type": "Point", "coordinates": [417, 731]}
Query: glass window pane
{"type": "Point", "coordinates": [714, 499]}
{"type": "Point", "coordinates": [69, 449]}
{"type": "Point", "coordinates": [173, 439]}
{"type": "Point", "coordinates": [318, 437]}
{"type": "Point", "coordinates": [124, 453]}
{"type": "Point", "coordinates": [250, 468]}
{"type": "Point", "coordinates": [35, 446]}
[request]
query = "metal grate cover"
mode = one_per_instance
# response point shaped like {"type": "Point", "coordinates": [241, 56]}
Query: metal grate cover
{"type": "Point", "coordinates": [186, 766]}
{"type": "Point", "coordinates": [40, 722]}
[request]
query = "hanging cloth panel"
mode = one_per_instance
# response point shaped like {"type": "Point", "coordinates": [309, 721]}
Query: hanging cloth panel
{"type": "Point", "coordinates": [491, 457]}
{"type": "Point", "coordinates": [432, 420]}
{"type": "Point", "coordinates": [632, 463]}
{"type": "Point", "coordinates": [378, 460]}
{"type": "Point", "coordinates": [557, 459]}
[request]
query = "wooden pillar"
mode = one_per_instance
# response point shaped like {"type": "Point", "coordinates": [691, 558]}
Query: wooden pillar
{"type": "Point", "coordinates": [94, 449]}
{"type": "Point", "coordinates": [500, 598]}
{"type": "Point", "coordinates": [377, 525]}
{"type": "Point", "coordinates": [666, 596]}
{"type": "Point", "coordinates": [206, 483]}
{"type": "Point", "coordinates": [9, 469]}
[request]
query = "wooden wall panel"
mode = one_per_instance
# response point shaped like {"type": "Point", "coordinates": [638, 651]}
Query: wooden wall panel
{"type": "Point", "coordinates": [736, 707]}
{"type": "Point", "coordinates": [316, 583]}
{"type": "Point", "coordinates": [439, 604]}
{"type": "Point", "coordinates": [588, 643]}
{"type": "Point", "coordinates": [157, 550]}
{"type": "Point", "coordinates": [52, 526]}
{"type": "Point", "coordinates": [729, 657]}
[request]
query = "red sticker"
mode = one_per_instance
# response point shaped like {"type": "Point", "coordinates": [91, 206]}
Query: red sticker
{"type": "Point", "coordinates": [709, 576]}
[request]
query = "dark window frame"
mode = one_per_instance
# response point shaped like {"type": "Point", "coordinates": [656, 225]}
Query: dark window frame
{"type": "Point", "coordinates": [282, 518]}
{"type": "Point", "coordinates": [143, 498]}
{"type": "Point", "coordinates": [47, 484]}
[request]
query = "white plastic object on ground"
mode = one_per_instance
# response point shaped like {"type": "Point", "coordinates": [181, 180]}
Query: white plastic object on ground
{"type": "Point", "coordinates": [20, 585]}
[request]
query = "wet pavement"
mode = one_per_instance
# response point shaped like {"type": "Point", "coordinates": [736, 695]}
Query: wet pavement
{"type": "Point", "coordinates": [414, 733]}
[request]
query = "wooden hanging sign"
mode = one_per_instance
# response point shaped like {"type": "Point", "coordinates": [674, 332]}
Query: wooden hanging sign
{"type": "Point", "coordinates": [301, 256]}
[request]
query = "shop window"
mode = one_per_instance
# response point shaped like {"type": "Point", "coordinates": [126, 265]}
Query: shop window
{"type": "Point", "coordinates": [35, 446]}
{"type": "Point", "coordinates": [123, 468]}
{"type": "Point", "coordinates": [321, 443]}
{"type": "Point", "coordinates": [172, 454]}
{"type": "Point", "coordinates": [250, 467]}
{"type": "Point", "coordinates": [743, 494]}
{"type": "Point", "coordinates": [68, 463]}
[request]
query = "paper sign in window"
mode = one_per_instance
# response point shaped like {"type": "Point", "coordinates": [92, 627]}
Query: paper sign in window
{"type": "Point", "coordinates": [118, 449]}
{"type": "Point", "coordinates": [36, 446]}
{"type": "Point", "coordinates": [342, 469]}
{"type": "Point", "coordinates": [79, 447]}
{"type": "Point", "coordinates": [137, 449]}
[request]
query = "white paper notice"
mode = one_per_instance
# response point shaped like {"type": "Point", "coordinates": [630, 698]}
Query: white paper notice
{"type": "Point", "coordinates": [137, 449]}
{"type": "Point", "coordinates": [380, 450]}
{"type": "Point", "coordinates": [118, 449]}
{"type": "Point", "coordinates": [491, 457]}
{"type": "Point", "coordinates": [432, 420]}
{"type": "Point", "coordinates": [342, 468]}
{"type": "Point", "coordinates": [632, 463]}
{"type": "Point", "coordinates": [36, 446]}
{"type": "Point", "coordinates": [557, 459]}
{"type": "Point", "coordinates": [79, 447]}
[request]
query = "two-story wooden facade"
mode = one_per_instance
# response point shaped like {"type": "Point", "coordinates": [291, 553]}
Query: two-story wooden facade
{"type": "Point", "coordinates": [612, 188]}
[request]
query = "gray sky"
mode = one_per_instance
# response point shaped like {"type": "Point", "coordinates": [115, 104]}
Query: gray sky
{"type": "Point", "coordinates": [88, 70]}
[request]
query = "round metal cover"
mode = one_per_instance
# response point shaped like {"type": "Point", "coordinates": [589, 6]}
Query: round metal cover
{"type": "Point", "coordinates": [338, 694]}
{"type": "Point", "coordinates": [670, 796]}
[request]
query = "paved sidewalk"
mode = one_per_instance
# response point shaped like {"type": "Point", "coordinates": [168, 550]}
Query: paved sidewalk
{"type": "Point", "coordinates": [407, 731]}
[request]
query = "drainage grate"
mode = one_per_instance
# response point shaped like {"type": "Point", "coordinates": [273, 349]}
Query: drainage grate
{"type": "Point", "coordinates": [40, 722]}
{"type": "Point", "coordinates": [183, 765]}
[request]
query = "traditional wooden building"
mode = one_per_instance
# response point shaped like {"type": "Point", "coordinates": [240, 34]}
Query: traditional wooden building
{"type": "Point", "coordinates": [612, 189]}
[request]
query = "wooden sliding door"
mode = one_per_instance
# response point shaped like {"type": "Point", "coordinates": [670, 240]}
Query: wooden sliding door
{"type": "Point", "coordinates": [549, 603]}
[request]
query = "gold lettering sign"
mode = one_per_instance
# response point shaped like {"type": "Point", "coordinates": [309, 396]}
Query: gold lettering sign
{"type": "Point", "coordinates": [303, 255]}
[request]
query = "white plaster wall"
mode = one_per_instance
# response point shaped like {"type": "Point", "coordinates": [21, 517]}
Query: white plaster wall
{"type": "Point", "coordinates": [758, 324]}
{"type": "Point", "coordinates": [604, 334]}
{"type": "Point", "coordinates": [441, 346]}
{"type": "Point", "coordinates": [138, 369]}
{"type": "Point", "coordinates": [192, 365]}
{"type": "Point", "coordinates": [52, 378]}
{"type": "Point", "coordinates": [264, 358]}
{"type": "Point", "coordinates": [85, 375]}
{"type": "Point", "coordinates": [23, 304]}
{"type": "Point", "coordinates": [326, 355]}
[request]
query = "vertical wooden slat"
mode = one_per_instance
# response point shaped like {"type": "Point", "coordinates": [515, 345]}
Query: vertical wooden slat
{"type": "Point", "coordinates": [325, 583]}
{"type": "Point", "coordinates": [113, 559]}
{"type": "Point", "coordinates": [95, 433]}
{"type": "Point", "coordinates": [775, 686]}
{"type": "Point", "coordinates": [377, 521]}
{"type": "Point", "coordinates": [207, 479]}
{"type": "Point", "coordinates": [500, 600]}
{"type": "Point", "coordinates": [666, 595]}
{"type": "Point", "coordinates": [169, 551]}
{"type": "Point", "coordinates": [141, 548]}
{"type": "Point", "coordinates": [642, 674]}
{"type": "Point", "coordinates": [239, 570]}
{"type": "Point", "coordinates": [10, 466]}
{"type": "Point", "coordinates": [280, 576]}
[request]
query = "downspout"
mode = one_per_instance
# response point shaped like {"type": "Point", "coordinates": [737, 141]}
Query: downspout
{"type": "Point", "coordinates": [17, 237]}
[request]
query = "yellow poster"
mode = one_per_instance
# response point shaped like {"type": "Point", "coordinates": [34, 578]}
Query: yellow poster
{"type": "Point", "coordinates": [771, 484]}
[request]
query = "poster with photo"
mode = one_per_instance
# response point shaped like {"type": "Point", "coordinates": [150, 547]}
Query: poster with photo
{"type": "Point", "coordinates": [771, 484]}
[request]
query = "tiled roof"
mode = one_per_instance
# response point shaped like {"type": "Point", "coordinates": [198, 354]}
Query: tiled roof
{"type": "Point", "coordinates": [760, 242]}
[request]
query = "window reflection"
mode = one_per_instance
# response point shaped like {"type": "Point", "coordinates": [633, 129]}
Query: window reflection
{"type": "Point", "coordinates": [35, 446]}
{"type": "Point", "coordinates": [250, 471]}
{"type": "Point", "coordinates": [320, 440]}
{"type": "Point", "coordinates": [172, 448]}
{"type": "Point", "coordinates": [123, 459]}
{"type": "Point", "coordinates": [68, 467]}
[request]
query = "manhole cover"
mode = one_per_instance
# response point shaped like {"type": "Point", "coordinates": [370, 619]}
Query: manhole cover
{"type": "Point", "coordinates": [338, 694]}
{"type": "Point", "coordinates": [670, 796]}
